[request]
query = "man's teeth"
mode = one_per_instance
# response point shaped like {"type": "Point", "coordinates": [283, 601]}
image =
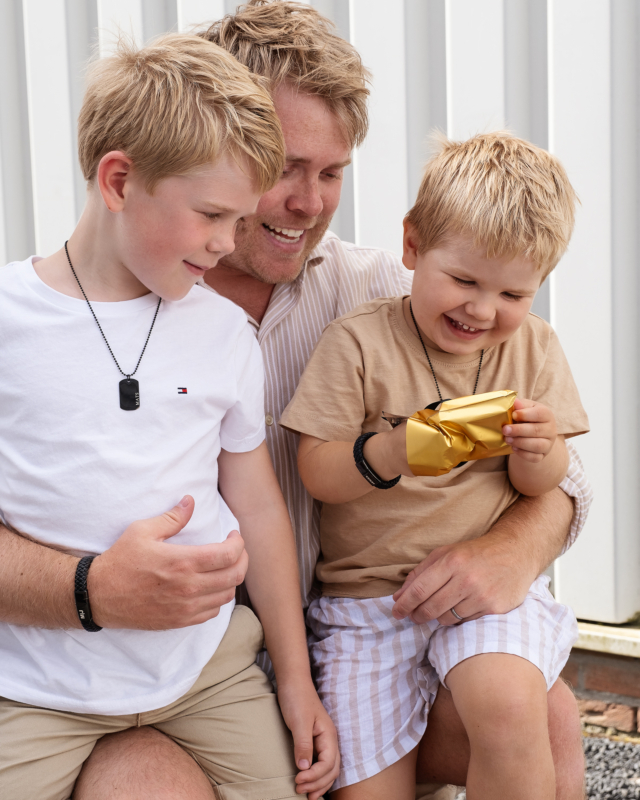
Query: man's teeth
{"type": "Point", "coordinates": [462, 327]}
{"type": "Point", "coordinates": [291, 234]}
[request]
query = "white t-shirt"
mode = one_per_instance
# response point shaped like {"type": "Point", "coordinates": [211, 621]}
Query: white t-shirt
{"type": "Point", "coordinates": [76, 470]}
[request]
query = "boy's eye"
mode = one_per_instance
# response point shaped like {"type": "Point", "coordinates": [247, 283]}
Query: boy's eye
{"type": "Point", "coordinates": [211, 215]}
{"type": "Point", "coordinates": [512, 296]}
{"type": "Point", "coordinates": [460, 282]}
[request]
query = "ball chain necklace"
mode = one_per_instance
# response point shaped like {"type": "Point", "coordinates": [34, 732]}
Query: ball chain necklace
{"type": "Point", "coordinates": [435, 380]}
{"type": "Point", "coordinates": [129, 387]}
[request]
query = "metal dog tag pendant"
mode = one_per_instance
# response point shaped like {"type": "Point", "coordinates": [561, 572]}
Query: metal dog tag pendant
{"type": "Point", "coordinates": [129, 394]}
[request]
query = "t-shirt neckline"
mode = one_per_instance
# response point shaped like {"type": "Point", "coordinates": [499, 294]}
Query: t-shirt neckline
{"type": "Point", "coordinates": [120, 308]}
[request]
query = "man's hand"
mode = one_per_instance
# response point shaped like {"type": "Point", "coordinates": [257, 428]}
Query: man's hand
{"type": "Point", "coordinates": [313, 733]}
{"type": "Point", "coordinates": [533, 433]}
{"type": "Point", "coordinates": [144, 582]}
{"type": "Point", "coordinates": [491, 574]}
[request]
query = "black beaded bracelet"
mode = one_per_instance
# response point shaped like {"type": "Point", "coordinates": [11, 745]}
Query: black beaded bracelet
{"type": "Point", "coordinates": [365, 469]}
{"type": "Point", "coordinates": [82, 595]}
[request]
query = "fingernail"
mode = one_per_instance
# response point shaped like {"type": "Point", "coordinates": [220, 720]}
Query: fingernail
{"type": "Point", "coordinates": [304, 764]}
{"type": "Point", "coordinates": [508, 439]}
{"type": "Point", "coordinates": [507, 430]}
{"type": "Point", "coordinates": [184, 502]}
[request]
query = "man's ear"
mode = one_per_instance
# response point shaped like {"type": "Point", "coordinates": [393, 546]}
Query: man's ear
{"type": "Point", "coordinates": [114, 170]}
{"type": "Point", "coordinates": [409, 246]}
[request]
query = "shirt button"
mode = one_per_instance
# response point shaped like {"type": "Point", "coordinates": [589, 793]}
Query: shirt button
{"type": "Point", "coordinates": [269, 419]}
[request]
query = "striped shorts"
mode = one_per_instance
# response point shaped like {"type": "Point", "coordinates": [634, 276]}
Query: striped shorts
{"type": "Point", "coordinates": [378, 676]}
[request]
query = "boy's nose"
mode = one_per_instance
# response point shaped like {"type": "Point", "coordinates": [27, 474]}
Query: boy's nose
{"type": "Point", "coordinates": [483, 312]}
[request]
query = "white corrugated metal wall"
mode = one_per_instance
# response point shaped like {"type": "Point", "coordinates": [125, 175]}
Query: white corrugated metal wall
{"type": "Point", "coordinates": [559, 72]}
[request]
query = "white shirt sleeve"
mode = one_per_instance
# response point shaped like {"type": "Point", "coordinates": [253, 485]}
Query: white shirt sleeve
{"type": "Point", "coordinates": [242, 428]}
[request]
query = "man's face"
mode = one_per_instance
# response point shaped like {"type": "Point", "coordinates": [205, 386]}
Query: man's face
{"type": "Point", "coordinates": [173, 236]}
{"type": "Point", "coordinates": [292, 218]}
{"type": "Point", "coordinates": [463, 301]}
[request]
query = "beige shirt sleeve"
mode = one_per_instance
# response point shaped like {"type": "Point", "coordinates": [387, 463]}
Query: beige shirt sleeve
{"type": "Point", "coordinates": [556, 389]}
{"type": "Point", "coordinates": [329, 400]}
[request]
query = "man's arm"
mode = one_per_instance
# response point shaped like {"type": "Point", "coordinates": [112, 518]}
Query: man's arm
{"type": "Point", "coordinates": [491, 574]}
{"type": "Point", "coordinates": [142, 582]}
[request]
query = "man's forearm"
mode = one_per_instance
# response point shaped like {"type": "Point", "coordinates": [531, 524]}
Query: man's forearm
{"type": "Point", "coordinates": [537, 526]}
{"type": "Point", "coordinates": [36, 583]}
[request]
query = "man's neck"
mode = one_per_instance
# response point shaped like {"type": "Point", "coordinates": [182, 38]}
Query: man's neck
{"type": "Point", "coordinates": [246, 291]}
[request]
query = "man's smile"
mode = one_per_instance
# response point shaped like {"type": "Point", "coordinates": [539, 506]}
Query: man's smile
{"type": "Point", "coordinates": [287, 235]}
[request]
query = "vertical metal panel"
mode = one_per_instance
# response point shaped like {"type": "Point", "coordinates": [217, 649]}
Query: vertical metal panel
{"type": "Point", "coordinates": [82, 44]}
{"type": "Point", "coordinates": [50, 134]}
{"type": "Point", "coordinates": [626, 285]}
{"type": "Point", "coordinates": [15, 152]}
{"type": "Point", "coordinates": [116, 17]}
{"type": "Point", "coordinates": [580, 134]}
{"type": "Point", "coordinates": [475, 67]}
{"type": "Point", "coordinates": [158, 16]}
{"type": "Point", "coordinates": [380, 166]}
{"type": "Point", "coordinates": [193, 13]}
{"type": "Point", "coordinates": [426, 81]}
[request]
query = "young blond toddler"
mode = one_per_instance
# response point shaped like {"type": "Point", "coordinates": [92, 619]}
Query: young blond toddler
{"type": "Point", "coordinates": [493, 217]}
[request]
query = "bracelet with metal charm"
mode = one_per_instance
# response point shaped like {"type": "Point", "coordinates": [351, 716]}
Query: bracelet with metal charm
{"type": "Point", "coordinates": [82, 595]}
{"type": "Point", "coordinates": [365, 469]}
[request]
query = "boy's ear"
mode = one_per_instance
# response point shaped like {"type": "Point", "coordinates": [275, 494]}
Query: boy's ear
{"type": "Point", "coordinates": [409, 246]}
{"type": "Point", "coordinates": [114, 170]}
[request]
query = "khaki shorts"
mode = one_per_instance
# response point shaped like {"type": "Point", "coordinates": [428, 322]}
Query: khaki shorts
{"type": "Point", "coordinates": [229, 721]}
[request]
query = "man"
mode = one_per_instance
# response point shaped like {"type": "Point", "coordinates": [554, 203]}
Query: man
{"type": "Point", "coordinates": [291, 282]}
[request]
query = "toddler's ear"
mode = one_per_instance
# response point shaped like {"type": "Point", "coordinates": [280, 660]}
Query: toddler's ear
{"type": "Point", "coordinates": [409, 246]}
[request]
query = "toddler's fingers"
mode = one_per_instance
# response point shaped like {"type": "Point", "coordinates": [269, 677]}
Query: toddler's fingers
{"type": "Point", "coordinates": [541, 446]}
{"type": "Point", "coordinates": [529, 430]}
{"type": "Point", "coordinates": [534, 458]}
{"type": "Point", "coordinates": [534, 413]}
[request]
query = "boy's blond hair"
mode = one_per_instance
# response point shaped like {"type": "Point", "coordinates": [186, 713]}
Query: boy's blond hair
{"type": "Point", "coordinates": [176, 105]}
{"type": "Point", "coordinates": [512, 197]}
{"type": "Point", "coordinates": [292, 43]}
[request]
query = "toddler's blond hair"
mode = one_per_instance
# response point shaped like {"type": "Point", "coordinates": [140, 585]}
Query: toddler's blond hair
{"type": "Point", "coordinates": [511, 197]}
{"type": "Point", "coordinates": [292, 43]}
{"type": "Point", "coordinates": [175, 105]}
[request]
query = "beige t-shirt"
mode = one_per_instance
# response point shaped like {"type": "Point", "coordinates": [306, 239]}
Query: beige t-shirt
{"type": "Point", "coordinates": [369, 361]}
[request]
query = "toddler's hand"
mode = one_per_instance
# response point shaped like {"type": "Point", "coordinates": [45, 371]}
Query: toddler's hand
{"type": "Point", "coordinates": [533, 433]}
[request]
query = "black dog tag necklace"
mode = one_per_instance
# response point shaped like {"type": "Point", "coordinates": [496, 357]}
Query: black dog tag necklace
{"type": "Point", "coordinates": [129, 387]}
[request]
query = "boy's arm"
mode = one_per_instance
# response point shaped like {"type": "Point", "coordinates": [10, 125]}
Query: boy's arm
{"type": "Point", "coordinates": [540, 459]}
{"type": "Point", "coordinates": [329, 472]}
{"type": "Point", "coordinates": [250, 488]}
{"type": "Point", "coordinates": [143, 582]}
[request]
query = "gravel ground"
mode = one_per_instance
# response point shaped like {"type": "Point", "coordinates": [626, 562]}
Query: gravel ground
{"type": "Point", "coordinates": [613, 770]}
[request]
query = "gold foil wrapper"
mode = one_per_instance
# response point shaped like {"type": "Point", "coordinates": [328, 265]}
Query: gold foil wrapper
{"type": "Point", "coordinates": [464, 429]}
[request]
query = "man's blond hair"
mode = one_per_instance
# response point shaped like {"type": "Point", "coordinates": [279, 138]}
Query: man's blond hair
{"type": "Point", "coordinates": [175, 105]}
{"type": "Point", "coordinates": [292, 43]}
{"type": "Point", "coordinates": [511, 197]}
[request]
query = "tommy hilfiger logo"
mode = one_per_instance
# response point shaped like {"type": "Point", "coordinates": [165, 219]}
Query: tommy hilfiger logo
{"type": "Point", "coordinates": [182, 390]}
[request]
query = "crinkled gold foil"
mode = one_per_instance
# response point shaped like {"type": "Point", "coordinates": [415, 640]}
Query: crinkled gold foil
{"type": "Point", "coordinates": [464, 429]}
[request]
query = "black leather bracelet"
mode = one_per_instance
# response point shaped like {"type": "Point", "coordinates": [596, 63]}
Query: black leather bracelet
{"type": "Point", "coordinates": [82, 595]}
{"type": "Point", "coordinates": [365, 469]}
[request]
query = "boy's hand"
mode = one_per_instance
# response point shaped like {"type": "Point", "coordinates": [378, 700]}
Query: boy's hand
{"type": "Point", "coordinates": [533, 433]}
{"type": "Point", "coordinates": [313, 733]}
{"type": "Point", "coordinates": [144, 582]}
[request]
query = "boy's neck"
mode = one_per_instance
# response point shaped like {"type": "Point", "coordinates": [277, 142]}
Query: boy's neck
{"type": "Point", "coordinates": [101, 272]}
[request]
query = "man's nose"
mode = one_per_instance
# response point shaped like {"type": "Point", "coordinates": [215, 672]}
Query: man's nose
{"type": "Point", "coordinates": [306, 199]}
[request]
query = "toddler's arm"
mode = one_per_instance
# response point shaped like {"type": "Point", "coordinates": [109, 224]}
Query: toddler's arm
{"type": "Point", "coordinates": [540, 459]}
{"type": "Point", "coordinates": [329, 472]}
{"type": "Point", "coordinates": [250, 488]}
